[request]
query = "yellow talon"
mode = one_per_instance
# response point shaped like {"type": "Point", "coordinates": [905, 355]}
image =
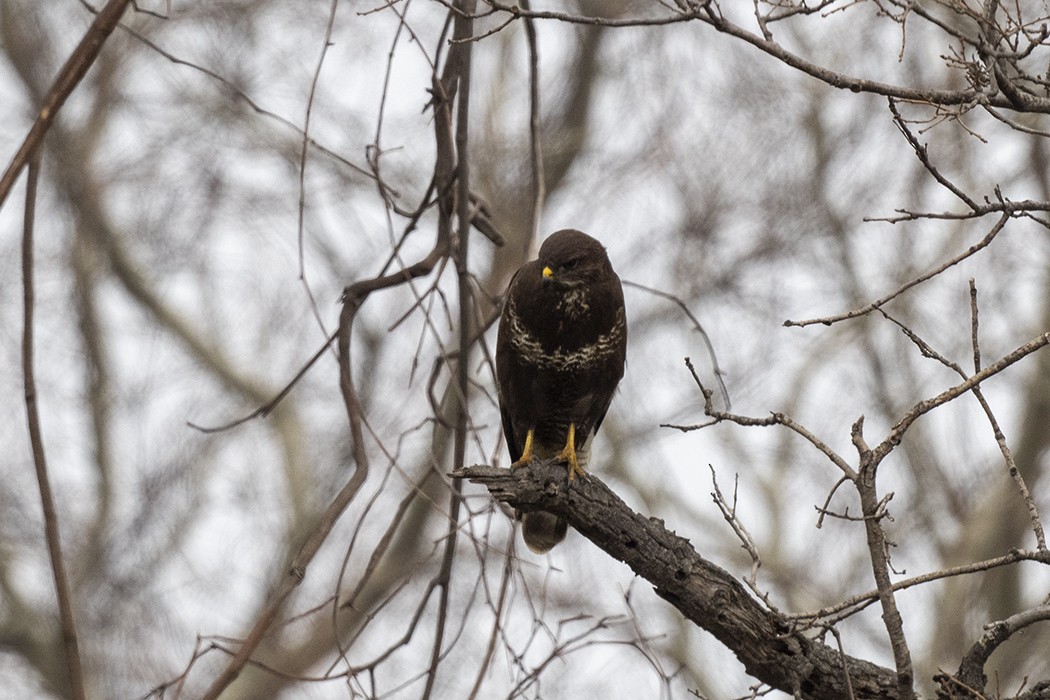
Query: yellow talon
{"type": "Point", "coordinates": [569, 454]}
{"type": "Point", "coordinates": [526, 454]}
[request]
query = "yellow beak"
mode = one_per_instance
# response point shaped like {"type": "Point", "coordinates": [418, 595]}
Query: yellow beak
{"type": "Point", "coordinates": [548, 273]}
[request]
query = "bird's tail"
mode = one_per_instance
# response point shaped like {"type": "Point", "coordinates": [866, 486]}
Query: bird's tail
{"type": "Point", "coordinates": [541, 530]}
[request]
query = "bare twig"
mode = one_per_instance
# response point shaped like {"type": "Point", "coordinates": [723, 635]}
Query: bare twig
{"type": "Point", "coordinates": [746, 541]}
{"type": "Point", "coordinates": [823, 510]}
{"type": "Point", "coordinates": [845, 666]}
{"type": "Point", "coordinates": [374, 152]}
{"type": "Point", "coordinates": [1015, 125]}
{"type": "Point", "coordinates": [231, 86]}
{"type": "Point", "coordinates": [535, 135]}
{"type": "Point", "coordinates": [677, 301]}
{"type": "Point", "coordinates": [519, 11]}
{"type": "Point", "coordinates": [896, 433]}
{"type": "Point", "coordinates": [497, 622]}
{"type": "Point", "coordinates": [69, 76]}
{"type": "Point", "coordinates": [853, 604]}
{"type": "Point", "coordinates": [458, 70]}
{"type": "Point", "coordinates": [775, 418]}
{"type": "Point", "coordinates": [1000, 439]}
{"type": "Point", "coordinates": [952, 685]}
{"type": "Point", "coordinates": [47, 498]}
{"type": "Point", "coordinates": [268, 407]}
{"type": "Point", "coordinates": [303, 158]}
{"type": "Point", "coordinates": [864, 310]}
{"type": "Point", "coordinates": [924, 158]}
{"type": "Point", "coordinates": [1024, 207]}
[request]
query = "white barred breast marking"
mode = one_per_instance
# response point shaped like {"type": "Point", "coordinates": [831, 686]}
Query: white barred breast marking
{"type": "Point", "coordinates": [531, 350]}
{"type": "Point", "coordinates": [574, 303]}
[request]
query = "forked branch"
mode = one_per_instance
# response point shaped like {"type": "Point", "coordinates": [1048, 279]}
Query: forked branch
{"type": "Point", "coordinates": [766, 642]}
{"type": "Point", "coordinates": [711, 597]}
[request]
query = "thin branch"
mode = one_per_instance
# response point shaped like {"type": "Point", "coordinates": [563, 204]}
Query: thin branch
{"type": "Point", "coordinates": [457, 69]}
{"type": "Point", "coordinates": [854, 604]}
{"type": "Point", "coordinates": [374, 152]}
{"type": "Point", "coordinates": [746, 540]}
{"type": "Point", "coordinates": [520, 12]}
{"type": "Point", "coordinates": [1000, 439]}
{"type": "Point", "coordinates": [267, 408]}
{"type": "Point", "coordinates": [240, 94]}
{"type": "Point", "coordinates": [677, 301]}
{"type": "Point", "coordinates": [845, 667]}
{"type": "Point", "coordinates": [775, 418]}
{"type": "Point", "coordinates": [924, 158]}
{"type": "Point", "coordinates": [878, 303]}
{"type": "Point", "coordinates": [535, 135]}
{"type": "Point", "coordinates": [823, 510]}
{"type": "Point", "coordinates": [1016, 125]}
{"type": "Point", "coordinates": [69, 76]}
{"type": "Point", "coordinates": [1024, 207]}
{"type": "Point", "coordinates": [508, 561]}
{"type": "Point", "coordinates": [303, 159]}
{"type": "Point", "coordinates": [47, 498]}
{"type": "Point", "coordinates": [896, 433]}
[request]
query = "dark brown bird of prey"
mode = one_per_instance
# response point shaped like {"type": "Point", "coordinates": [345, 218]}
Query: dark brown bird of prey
{"type": "Point", "coordinates": [560, 353]}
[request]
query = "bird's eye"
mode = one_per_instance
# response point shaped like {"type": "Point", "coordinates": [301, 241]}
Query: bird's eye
{"type": "Point", "coordinates": [571, 264]}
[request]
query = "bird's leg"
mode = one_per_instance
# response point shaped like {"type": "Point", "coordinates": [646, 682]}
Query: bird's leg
{"type": "Point", "coordinates": [568, 453]}
{"type": "Point", "coordinates": [526, 454]}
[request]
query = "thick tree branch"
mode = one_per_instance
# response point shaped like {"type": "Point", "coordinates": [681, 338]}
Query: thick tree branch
{"type": "Point", "coordinates": [705, 593]}
{"type": "Point", "coordinates": [765, 641]}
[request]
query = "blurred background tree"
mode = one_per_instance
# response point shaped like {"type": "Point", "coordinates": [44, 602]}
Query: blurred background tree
{"type": "Point", "coordinates": [191, 251]}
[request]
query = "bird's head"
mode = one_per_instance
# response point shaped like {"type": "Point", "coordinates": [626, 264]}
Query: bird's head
{"type": "Point", "coordinates": [571, 259]}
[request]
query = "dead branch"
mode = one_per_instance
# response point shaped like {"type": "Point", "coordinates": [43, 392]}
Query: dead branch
{"type": "Point", "coordinates": [1000, 438]}
{"type": "Point", "coordinates": [765, 641]}
{"type": "Point", "coordinates": [746, 540]}
{"type": "Point", "coordinates": [705, 593]}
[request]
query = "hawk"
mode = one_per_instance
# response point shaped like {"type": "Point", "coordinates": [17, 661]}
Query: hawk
{"type": "Point", "coordinates": [560, 352]}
